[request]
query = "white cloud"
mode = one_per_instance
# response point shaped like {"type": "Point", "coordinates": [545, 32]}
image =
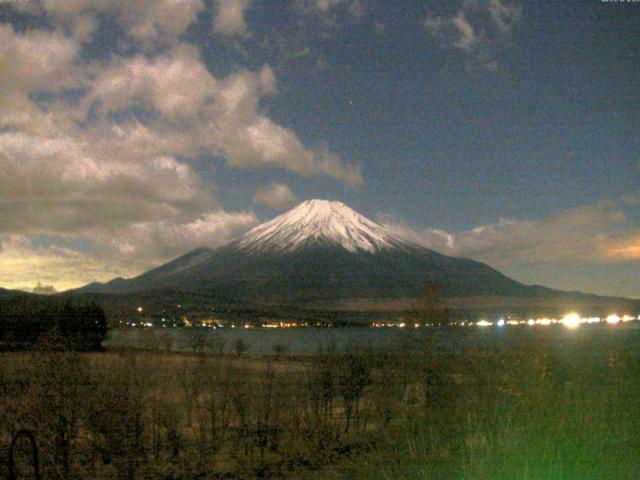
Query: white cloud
{"type": "Point", "coordinates": [59, 176]}
{"type": "Point", "coordinates": [584, 235]}
{"type": "Point", "coordinates": [229, 19]}
{"type": "Point", "coordinates": [202, 114]}
{"type": "Point", "coordinates": [275, 195]}
{"type": "Point", "coordinates": [504, 15]}
{"type": "Point", "coordinates": [149, 243]}
{"type": "Point", "coordinates": [100, 153]}
{"type": "Point", "coordinates": [113, 252]}
{"type": "Point", "coordinates": [479, 29]}
{"type": "Point", "coordinates": [467, 35]}
{"type": "Point", "coordinates": [330, 12]}
{"type": "Point", "coordinates": [146, 21]}
{"type": "Point", "coordinates": [60, 185]}
{"type": "Point", "coordinates": [31, 62]}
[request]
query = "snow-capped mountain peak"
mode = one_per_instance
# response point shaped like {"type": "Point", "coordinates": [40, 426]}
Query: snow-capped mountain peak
{"type": "Point", "coordinates": [319, 221]}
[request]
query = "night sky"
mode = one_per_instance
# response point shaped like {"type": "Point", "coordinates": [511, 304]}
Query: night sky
{"type": "Point", "coordinates": [505, 131]}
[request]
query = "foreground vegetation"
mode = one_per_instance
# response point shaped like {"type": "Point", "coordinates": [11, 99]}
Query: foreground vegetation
{"type": "Point", "coordinates": [25, 318]}
{"type": "Point", "coordinates": [528, 407]}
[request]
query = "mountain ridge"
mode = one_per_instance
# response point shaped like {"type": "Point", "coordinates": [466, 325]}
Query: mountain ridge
{"type": "Point", "coordinates": [321, 250]}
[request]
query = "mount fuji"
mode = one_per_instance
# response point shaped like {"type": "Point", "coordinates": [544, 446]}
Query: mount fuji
{"type": "Point", "coordinates": [319, 250]}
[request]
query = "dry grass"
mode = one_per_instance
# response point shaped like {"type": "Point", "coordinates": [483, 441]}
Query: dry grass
{"type": "Point", "coordinates": [527, 408]}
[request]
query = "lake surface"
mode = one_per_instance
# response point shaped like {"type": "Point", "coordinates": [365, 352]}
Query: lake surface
{"type": "Point", "coordinates": [314, 340]}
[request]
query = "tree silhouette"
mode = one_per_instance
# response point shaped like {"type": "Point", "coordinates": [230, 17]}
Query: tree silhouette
{"type": "Point", "coordinates": [430, 307]}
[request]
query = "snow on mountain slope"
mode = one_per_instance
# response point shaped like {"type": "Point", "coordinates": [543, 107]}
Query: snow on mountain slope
{"type": "Point", "coordinates": [317, 250]}
{"type": "Point", "coordinates": [319, 221]}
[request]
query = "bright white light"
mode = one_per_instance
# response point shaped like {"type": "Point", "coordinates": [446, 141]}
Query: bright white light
{"type": "Point", "coordinates": [139, 309]}
{"type": "Point", "coordinates": [500, 322]}
{"type": "Point", "coordinates": [627, 318]}
{"type": "Point", "coordinates": [613, 319]}
{"type": "Point", "coordinates": [531, 321]}
{"type": "Point", "coordinates": [484, 323]}
{"type": "Point", "coordinates": [571, 320]}
{"type": "Point", "coordinates": [544, 321]}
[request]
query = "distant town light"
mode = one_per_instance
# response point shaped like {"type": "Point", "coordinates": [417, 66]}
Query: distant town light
{"type": "Point", "coordinates": [484, 323]}
{"type": "Point", "coordinates": [139, 309]}
{"type": "Point", "coordinates": [571, 320]}
{"type": "Point", "coordinates": [500, 322]}
{"type": "Point", "coordinates": [613, 319]}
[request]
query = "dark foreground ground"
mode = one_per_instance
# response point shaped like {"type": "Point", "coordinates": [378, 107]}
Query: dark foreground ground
{"type": "Point", "coordinates": [531, 406]}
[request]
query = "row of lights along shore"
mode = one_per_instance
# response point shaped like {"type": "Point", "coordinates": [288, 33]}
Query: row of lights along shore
{"type": "Point", "coordinates": [570, 320]}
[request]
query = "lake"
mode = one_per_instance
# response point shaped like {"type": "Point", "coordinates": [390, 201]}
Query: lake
{"type": "Point", "coordinates": [312, 340]}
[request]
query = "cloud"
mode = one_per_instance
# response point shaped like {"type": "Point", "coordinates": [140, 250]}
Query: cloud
{"type": "Point", "coordinates": [148, 243]}
{"type": "Point", "coordinates": [504, 15]}
{"type": "Point", "coordinates": [22, 263]}
{"type": "Point", "coordinates": [31, 62]}
{"type": "Point", "coordinates": [598, 234]}
{"type": "Point", "coordinates": [328, 11]}
{"type": "Point", "coordinates": [61, 185]}
{"type": "Point", "coordinates": [275, 195]}
{"type": "Point", "coordinates": [197, 113]}
{"type": "Point", "coordinates": [146, 21]}
{"type": "Point", "coordinates": [479, 30]}
{"type": "Point", "coordinates": [125, 251]}
{"type": "Point", "coordinates": [229, 19]}
{"type": "Point", "coordinates": [467, 35]}
{"type": "Point", "coordinates": [325, 5]}
{"type": "Point", "coordinates": [37, 59]}
{"type": "Point", "coordinates": [74, 164]}
{"type": "Point", "coordinates": [96, 156]}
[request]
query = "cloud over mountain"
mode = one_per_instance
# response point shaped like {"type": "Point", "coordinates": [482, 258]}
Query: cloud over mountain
{"type": "Point", "coordinates": [587, 234]}
{"type": "Point", "coordinates": [100, 151]}
{"type": "Point", "coordinates": [275, 195]}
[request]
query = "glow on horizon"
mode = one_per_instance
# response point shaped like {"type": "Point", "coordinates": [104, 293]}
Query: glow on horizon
{"type": "Point", "coordinates": [571, 320]}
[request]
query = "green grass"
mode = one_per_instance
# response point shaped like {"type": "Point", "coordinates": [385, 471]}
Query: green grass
{"type": "Point", "coordinates": [542, 414]}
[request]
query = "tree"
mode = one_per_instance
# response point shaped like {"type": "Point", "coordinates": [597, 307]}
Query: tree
{"type": "Point", "coordinates": [240, 346]}
{"type": "Point", "coordinates": [430, 307]}
{"type": "Point", "coordinates": [24, 320]}
{"type": "Point", "coordinates": [354, 376]}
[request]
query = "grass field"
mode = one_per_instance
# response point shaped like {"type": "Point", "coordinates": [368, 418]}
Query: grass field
{"type": "Point", "coordinates": [528, 407]}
